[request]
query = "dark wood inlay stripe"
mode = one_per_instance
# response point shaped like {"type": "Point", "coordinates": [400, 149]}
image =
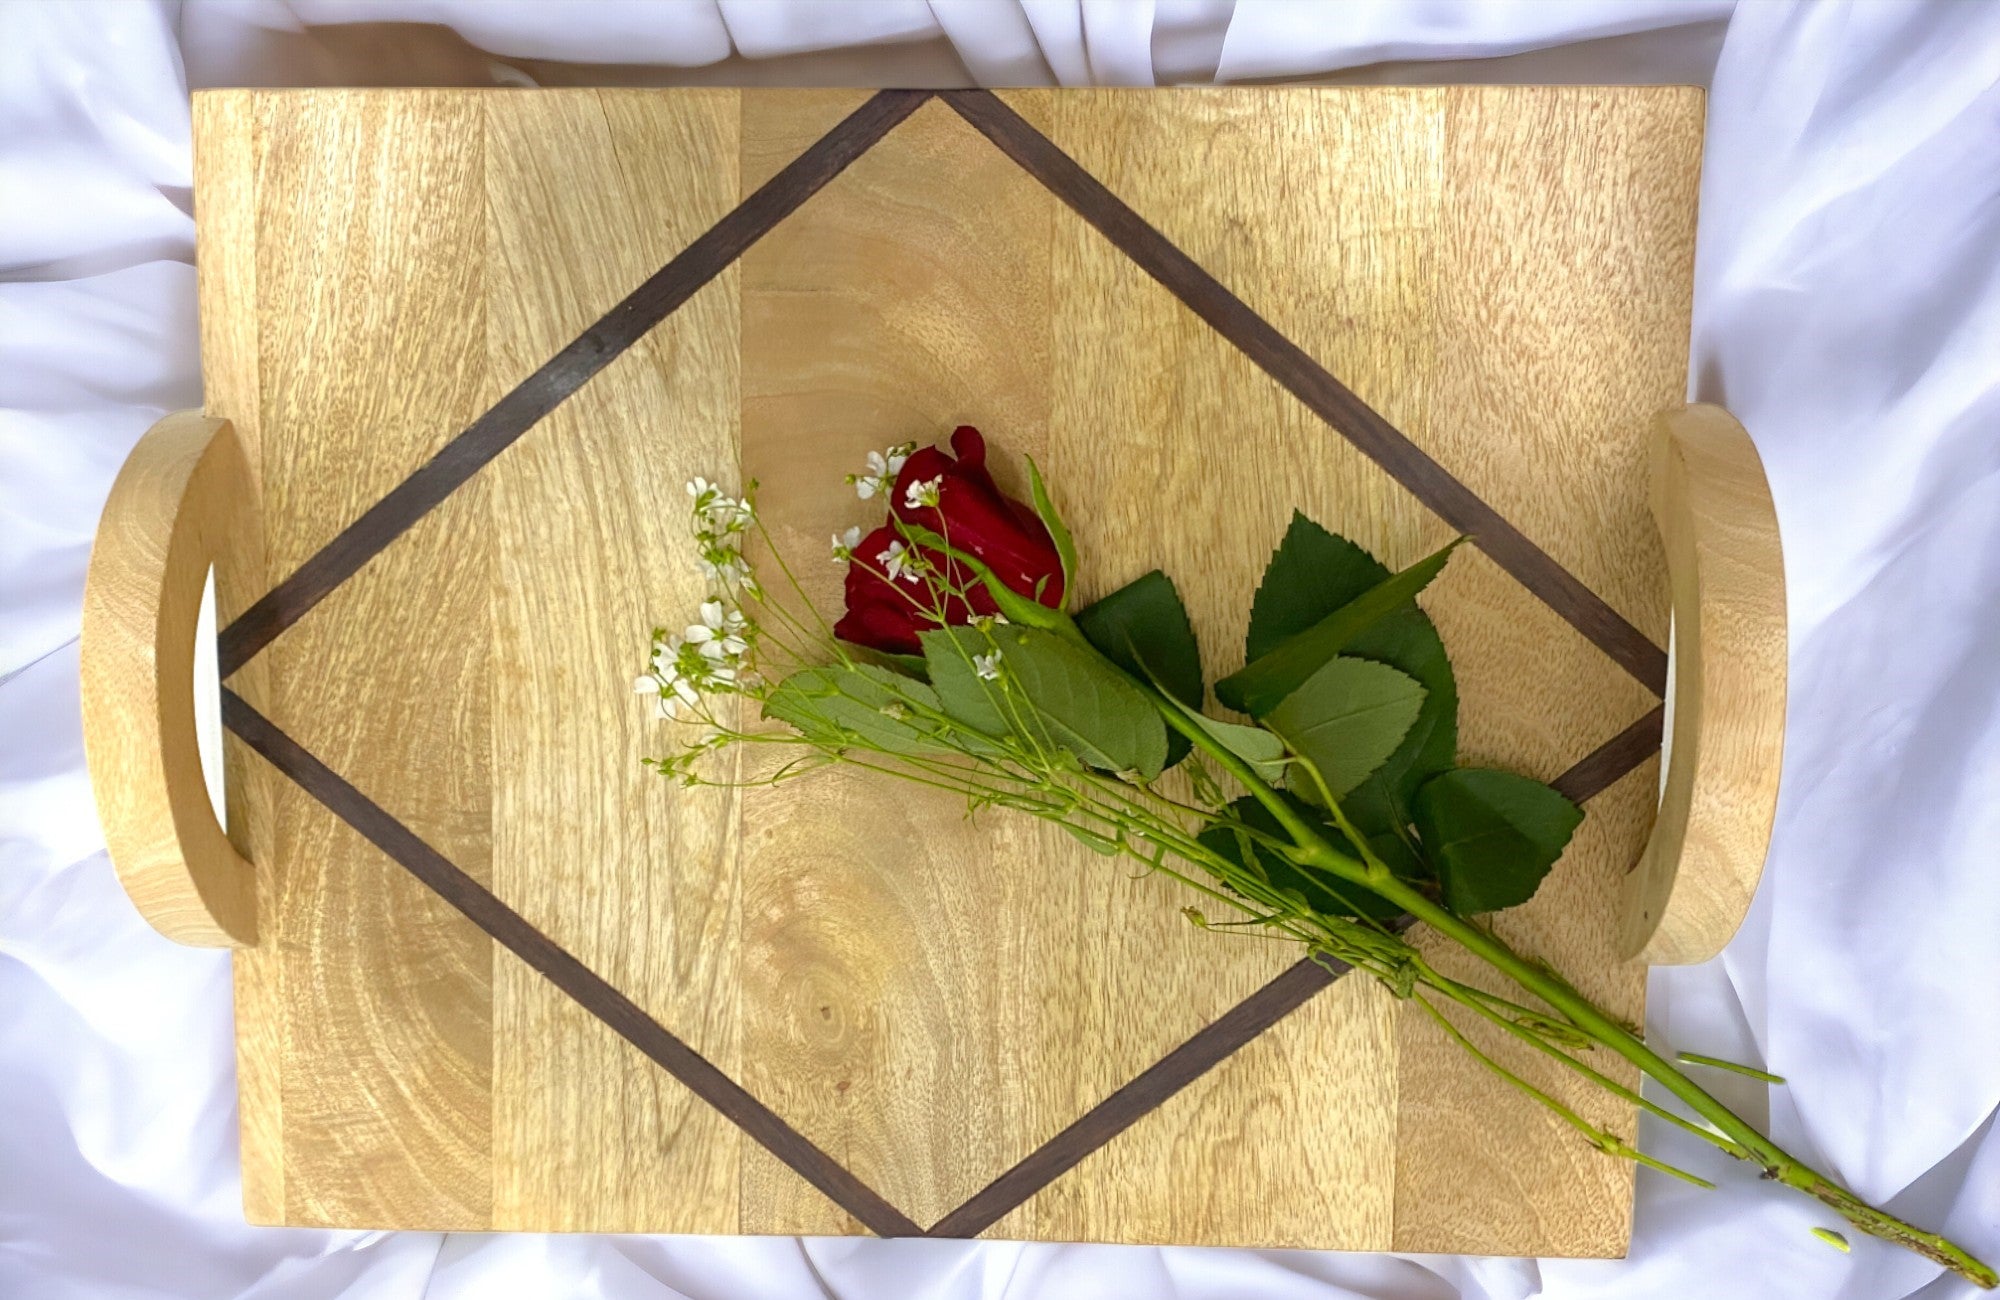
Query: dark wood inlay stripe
{"type": "Point", "coordinates": [1595, 772]}
{"type": "Point", "coordinates": [1310, 382]}
{"type": "Point", "coordinates": [1214, 1044]}
{"type": "Point", "coordinates": [1209, 1047]}
{"type": "Point", "coordinates": [1146, 1092]}
{"type": "Point", "coordinates": [652, 302]}
{"type": "Point", "coordinates": [563, 374]}
{"type": "Point", "coordinates": [591, 991]}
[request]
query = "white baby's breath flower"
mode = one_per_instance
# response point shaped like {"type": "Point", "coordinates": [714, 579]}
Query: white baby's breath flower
{"type": "Point", "coordinates": [707, 658]}
{"type": "Point", "coordinates": [883, 466]}
{"type": "Point", "coordinates": [725, 567]}
{"type": "Point", "coordinates": [733, 514]}
{"type": "Point", "coordinates": [719, 523]}
{"type": "Point", "coordinates": [680, 696]}
{"type": "Point", "coordinates": [719, 635]}
{"type": "Point", "coordinates": [877, 478]}
{"type": "Point", "coordinates": [898, 562]}
{"type": "Point", "coordinates": [710, 656]}
{"type": "Point", "coordinates": [844, 544]}
{"type": "Point", "coordinates": [666, 703]}
{"type": "Point", "coordinates": [684, 702]}
{"type": "Point", "coordinates": [922, 493]}
{"type": "Point", "coordinates": [987, 665]}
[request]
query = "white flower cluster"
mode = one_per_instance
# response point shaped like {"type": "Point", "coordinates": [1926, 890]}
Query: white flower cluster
{"type": "Point", "coordinates": [707, 658]}
{"type": "Point", "coordinates": [720, 523]}
{"type": "Point", "coordinates": [883, 466]}
{"type": "Point", "coordinates": [898, 561]}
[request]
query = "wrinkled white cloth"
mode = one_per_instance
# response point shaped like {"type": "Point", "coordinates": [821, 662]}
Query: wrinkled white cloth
{"type": "Point", "coordinates": [1848, 309]}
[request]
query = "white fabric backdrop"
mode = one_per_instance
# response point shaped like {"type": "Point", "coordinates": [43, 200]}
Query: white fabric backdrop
{"type": "Point", "coordinates": [1848, 309]}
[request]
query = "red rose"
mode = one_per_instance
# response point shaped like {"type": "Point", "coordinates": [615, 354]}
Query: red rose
{"type": "Point", "coordinates": [887, 611]}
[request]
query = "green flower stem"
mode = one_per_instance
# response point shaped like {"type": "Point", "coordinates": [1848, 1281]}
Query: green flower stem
{"type": "Point", "coordinates": [777, 555]}
{"type": "Point", "coordinates": [1538, 979]}
{"type": "Point", "coordinates": [1717, 1063]}
{"type": "Point", "coordinates": [1052, 792]}
{"type": "Point", "coordinates": [1773, 1159]}
{"type": "Point", "coordinates": [1472, 999]}
{"type": "Point", "coordinates": [1601, 1138]}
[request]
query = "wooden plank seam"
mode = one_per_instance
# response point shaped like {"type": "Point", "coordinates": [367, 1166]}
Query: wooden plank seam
{"type": "Point", "coordinates": [561, 376]}
{"type": "Point", "coordinates": [1309, 381]}
{"type": "Point", "coordinates": [590, 990]}
{"type": "Point", "coordinates": [653, 301]}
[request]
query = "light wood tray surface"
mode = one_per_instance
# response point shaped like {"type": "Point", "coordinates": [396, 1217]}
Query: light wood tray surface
{"type": "Point", "coordinates": [1503, 273]}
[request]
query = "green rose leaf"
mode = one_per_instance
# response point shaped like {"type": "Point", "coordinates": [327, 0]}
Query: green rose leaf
{"type": "Point", "coordinates": [1407, 641]}
{"type": "Point", "coordinates": [902, 665]}
{"type": "Point", "coordinates": [1258, 687]}
{"type": "Point", "coordinates": [1321, 891]}
{"type": "Point", "coordinates": [1254, 745]}
{"type": "Point", "coordinates": [1143, 628]}
{"type": "Point", "coordinates": [980, 704]}
{"type": "Point", "coordinates": [1048, 691]}
{"type": "Point", "coordinates": [1312, 574]}
{"type": "Point", "coordinates": [1397, 854]}
{"type": "Point", "coordinates": [862, 704]}
{"type": "Point", "coordinates": [1346, 720]}
{"type": "Point", "coordinates": [1492, 835]}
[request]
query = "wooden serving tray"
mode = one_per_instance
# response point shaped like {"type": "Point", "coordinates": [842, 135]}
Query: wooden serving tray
{"type": "Point", "coordinates": [493, 974]}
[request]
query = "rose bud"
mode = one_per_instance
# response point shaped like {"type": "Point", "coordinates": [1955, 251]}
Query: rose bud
{"type": "Point", "coordinates": [895, 591]}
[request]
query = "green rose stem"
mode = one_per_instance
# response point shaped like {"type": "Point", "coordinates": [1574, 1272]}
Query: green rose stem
{"type": "Point", "coordinates": [1742, 1139]}
{"type": "Point", "coordinates": [1311, 848]}
{"type": "Point", "coordinates": [1027, 779]}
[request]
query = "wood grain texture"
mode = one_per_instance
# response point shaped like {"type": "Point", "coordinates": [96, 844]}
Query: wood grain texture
{"type": "Point", "coordinates": [897, 969]}
{"type": "Point", "coordinates": [1563, 281]}
{"type": "Point", "coordinates": [556, 379]}
{"type": "Point", "coordinates": [226, 142]}
{"type": "Point", "coordinates": [370, 209]}
{"type": "Point", "coordinates": [1501, 273]}
{"type": "Point", "coordinates": [182, 500]}
{"type": "Point", "coordinates": [1535, 694]}
{"type": "Point", "coordinates": [1701, 865]}
{"type": "Point", "coordinates": [1317, 388]}
{"type": "Point", "coordinates": [634, 876]}
{"type": "Point", "coordinates": [1144, 391]}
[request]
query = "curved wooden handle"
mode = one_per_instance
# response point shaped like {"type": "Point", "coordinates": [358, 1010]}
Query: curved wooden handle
{"type": "Point", "coordinates": [1693, 884]}
{"type": "Point", "coordinates": [184, 500]}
